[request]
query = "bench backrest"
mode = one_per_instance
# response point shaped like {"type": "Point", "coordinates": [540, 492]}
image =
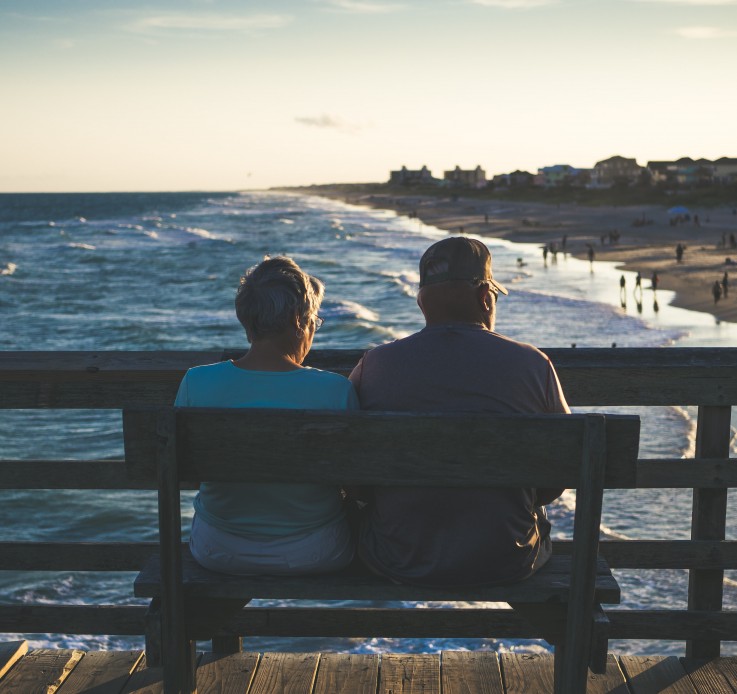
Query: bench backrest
{"type": "Point", "coordinates": [408, 448]}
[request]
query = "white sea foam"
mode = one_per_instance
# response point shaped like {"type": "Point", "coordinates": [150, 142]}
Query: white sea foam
{"type": "Point", "coordinates": [352, 309]}
{"type": "Point", "coordinates": [286, 221]}
{"type": "Point", "coordinates": [82, 246]}
{"type": "Point", "coordinates": [9, 269]}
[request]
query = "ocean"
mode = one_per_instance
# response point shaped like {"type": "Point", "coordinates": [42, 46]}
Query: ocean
{"type": "Point", "coordinates": [157, 271]}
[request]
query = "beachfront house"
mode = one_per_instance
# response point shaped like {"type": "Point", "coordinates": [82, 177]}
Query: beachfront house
{"type": "Point", "coordinates": [466, 178]}
{"type": "Point", "coordinates": [411, 177]}
{"type": "Point", "coordinates": [561, 175]}
{"type": "Point", "coordinates": [616, 170]}
{"type": "Point", "coordinates": [725, 170]}
{"type": "Point", "coordinates": [516, 179]}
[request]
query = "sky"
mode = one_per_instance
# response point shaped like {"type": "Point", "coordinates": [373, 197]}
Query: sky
{"type": "Point", "coordinates": [129, 95]}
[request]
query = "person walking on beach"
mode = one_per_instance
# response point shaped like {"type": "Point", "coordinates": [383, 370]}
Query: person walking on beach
{"type": "Point", "coordinates": [725, 285]}
{"type": "Point", "coordinates": [622, 291]}
{"type": "Point", "coordinates": [591, 253]}
{"type": "Point", "coordinates": [445, 537]}
{"type": "Point", "coordinates": [716, 291]}
{"type": "Point", "coordinates": [654, 281]}
{"type": "Point", "coordinates": [679, 252]}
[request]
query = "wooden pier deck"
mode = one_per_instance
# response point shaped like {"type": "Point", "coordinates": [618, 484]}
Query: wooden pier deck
{"type": "Point", "coordinates": [57, 671]}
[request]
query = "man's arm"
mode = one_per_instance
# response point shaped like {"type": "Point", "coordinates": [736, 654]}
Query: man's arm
{"type": "Point", "coordinates": [557, 404]}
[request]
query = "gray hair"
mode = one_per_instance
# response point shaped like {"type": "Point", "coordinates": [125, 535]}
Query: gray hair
{"type": "Point", "coordinates": [272, 293]}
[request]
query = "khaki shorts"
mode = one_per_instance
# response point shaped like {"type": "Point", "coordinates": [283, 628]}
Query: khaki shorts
{"type": "Point", "coordinates": [326, 549]}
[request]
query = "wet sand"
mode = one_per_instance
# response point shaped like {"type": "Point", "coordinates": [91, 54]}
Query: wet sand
{"type": "Point", "coordinates": [647, 248]}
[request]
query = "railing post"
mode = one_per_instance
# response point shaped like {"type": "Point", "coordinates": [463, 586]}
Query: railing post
{"type": "Point", "coordinates": [708, 522]}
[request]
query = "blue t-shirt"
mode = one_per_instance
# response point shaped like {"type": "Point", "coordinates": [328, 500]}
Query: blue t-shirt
{"type": "Point", "coordinates": [266, 510]}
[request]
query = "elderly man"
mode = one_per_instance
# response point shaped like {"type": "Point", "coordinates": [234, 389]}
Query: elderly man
{"type": "Point", "coordinates": [443, 537]}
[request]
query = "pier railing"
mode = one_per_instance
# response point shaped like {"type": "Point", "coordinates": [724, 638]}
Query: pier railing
{"type": "Point", "coordinates": [599, 378]}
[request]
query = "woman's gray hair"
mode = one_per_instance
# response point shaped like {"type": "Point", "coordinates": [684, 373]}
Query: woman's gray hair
{"type": "Point", "coordinates": [272, 293]}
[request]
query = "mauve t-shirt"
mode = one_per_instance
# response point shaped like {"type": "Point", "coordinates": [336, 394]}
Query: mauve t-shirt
{"type": "Point", "coordinates": [445, 537]}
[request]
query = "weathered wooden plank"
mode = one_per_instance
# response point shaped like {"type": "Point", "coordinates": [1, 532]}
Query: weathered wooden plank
{"type": "Point", "coordinates": [633, 376]}
{"type": "Point", "coordinates": [102, 672]}
{"type": "Point", "coordinates": [527, 672]}
{"type": "Point", "coordinates": [145, 680]}
{"type": "Point", "coordinates": [72, 619]}
{"type": "Point", "coordinates": [10, 653]}
{"type": "Point", "coordinates": [610, 682]}
{"type": "Point", "coordinates": [226, 674]}
{"type": "Point", "coordinates": [289, 673]}
{"type": "Point", "coordinates": [412, 673]}
{"type": "Point", "coordinates": [664, 554]}
{"type": "Point", "coordinates": [687, 473]}
{"type": "Point", "coordinates": [41, 671]}
{"type": "Point", "coordinates": [553, 580]}
{"type": "Point", "coordinates": [75, 556]}
{"type": "Point", "coordinates": [656, 675]}
{"type": "Point", "coordinates": [371, 447]}
{"type": "Point", "coordinates": [470, 672]}
{"type": "Point", "coordinates": [708, 522]}
{"type": "Point", "coordinates": [66, 474]}
{"type": "Point", "coordinates": [131, 556]}
{"type": "Point", "coordinates": [715, 676]}
{"type": "Point", "coordinates": [348, 673]}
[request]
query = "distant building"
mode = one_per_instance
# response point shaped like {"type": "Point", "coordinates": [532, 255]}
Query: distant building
{"type": "Point", "coordinates": [615, 170]}
{"type": "Point", "coordinates": [410, 177]}
{"type": "Point", "coordinates": [516, 179]}
{"type": "Point", "coordinates": [662, 173]}
{"type": "Point", "coordinates": [561, 175]}
{"type": "Point", "coordinates": [725, 170]}
{"type": "Point", "coordinates": [466, 178]}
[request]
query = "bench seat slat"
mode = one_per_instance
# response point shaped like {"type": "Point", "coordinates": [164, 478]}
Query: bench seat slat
{"type": "Point", "coordinates": [553, 581]}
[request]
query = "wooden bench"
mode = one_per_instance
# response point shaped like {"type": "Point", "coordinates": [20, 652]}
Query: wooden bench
{"type": "Point", "coordinates": [585, 452]}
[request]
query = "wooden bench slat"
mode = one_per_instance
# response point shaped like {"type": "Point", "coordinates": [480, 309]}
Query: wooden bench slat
{"type": "Point", "coordinates": [552, 580]}
{"type": "Point", "coordinates": [407, 448]}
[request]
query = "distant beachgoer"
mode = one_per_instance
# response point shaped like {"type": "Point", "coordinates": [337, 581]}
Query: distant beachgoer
{"type": "Point", "coordinates": [545, 254]}
{"type": "Point", "coordinates": [591, 253]}
{"type": "Point", "coordinates": [622, 292]}
{"type": "Point", "coordinates": [654, 280]}
{"type": "Point", "coordinates": [638, 281]}
{"type": "Point", "coordinates": [622, 282]}
{"type": "Point", "coordinates": [732, 241]}
{"type": "Point", "coordinates": [679, 252]}
{"type": "Point", "coordinates": [716, 291]}
{"type": "Point", "coordinates": [725, 284]}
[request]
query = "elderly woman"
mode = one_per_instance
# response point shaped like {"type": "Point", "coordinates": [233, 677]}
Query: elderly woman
{"type": "Point", "coordinates": [271, 528]}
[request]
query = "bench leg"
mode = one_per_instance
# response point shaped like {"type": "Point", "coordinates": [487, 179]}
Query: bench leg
{"type": "Point", "coordinates": [208, 619]}
{"type": "Point", "coordinates": [599, 641]}
{"type": "Point", "coordinates": [152, 626]}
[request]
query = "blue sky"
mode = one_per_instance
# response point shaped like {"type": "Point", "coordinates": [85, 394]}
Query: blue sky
{"type": "Point", "coordinates": [226, 94]}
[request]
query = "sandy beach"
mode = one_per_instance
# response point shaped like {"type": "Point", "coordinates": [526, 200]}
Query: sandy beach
{"type": "Point", "coordinates": [646, 239]}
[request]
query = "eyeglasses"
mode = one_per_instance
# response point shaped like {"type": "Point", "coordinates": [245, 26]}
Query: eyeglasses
{"type": "Point", "coordinates": [318, 322]}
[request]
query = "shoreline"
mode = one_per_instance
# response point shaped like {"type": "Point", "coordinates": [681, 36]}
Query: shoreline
{"type": "Point", "coordinates": [646, 248]}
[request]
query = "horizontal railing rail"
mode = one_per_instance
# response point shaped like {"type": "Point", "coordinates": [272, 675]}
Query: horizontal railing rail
{"type": "Point", "coordinates": [703, 377]}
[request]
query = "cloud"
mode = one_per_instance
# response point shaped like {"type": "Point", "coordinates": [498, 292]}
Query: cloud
{"type": "Point", "coordinates": [513, 4]}
{"type": "Point", "coordinates": [359, 7]}
{"type": "Point", "coordinates": [326, 121]}
{"type": "Point", "coordinates": [704, 33]}
{"type": "Point", "coordinates": [209, 22]}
